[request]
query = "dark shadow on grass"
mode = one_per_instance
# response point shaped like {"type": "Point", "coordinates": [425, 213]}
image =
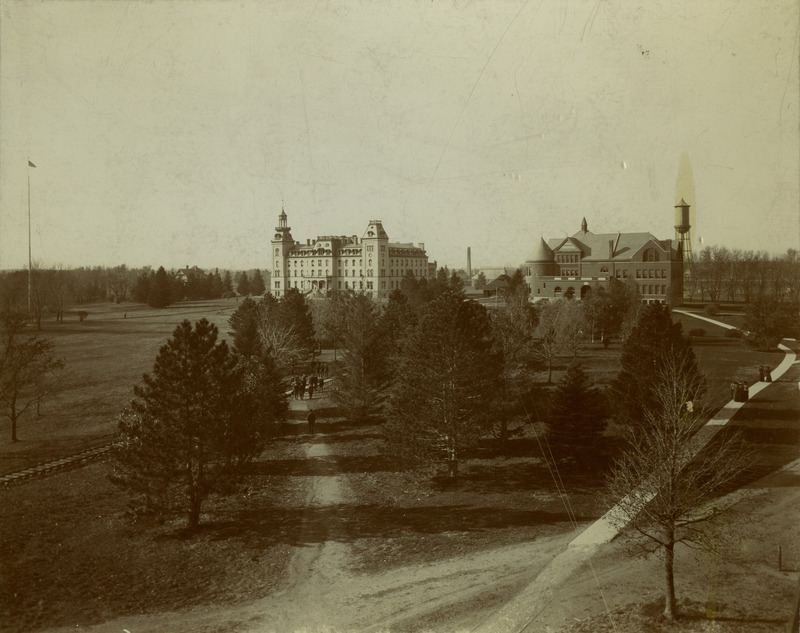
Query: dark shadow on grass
{"type": "Point", "coordinates": [504, 478]}
{"type": "Point", "coordinates": [267, 526]}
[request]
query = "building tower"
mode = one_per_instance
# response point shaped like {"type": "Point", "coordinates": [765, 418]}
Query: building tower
{"type": "Point", "coordinates": [375, 252]}
{"type": "Point", "coordinates": [683, 236]}
{"type": "Point", "coordinates": [282, 244]}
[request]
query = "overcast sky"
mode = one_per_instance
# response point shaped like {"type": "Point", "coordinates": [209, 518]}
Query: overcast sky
{"type": "Point", "coordinates": [170, 132]}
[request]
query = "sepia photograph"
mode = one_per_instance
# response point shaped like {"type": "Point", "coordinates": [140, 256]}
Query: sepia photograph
{"type": "Point", "coordinates": [399, 316]}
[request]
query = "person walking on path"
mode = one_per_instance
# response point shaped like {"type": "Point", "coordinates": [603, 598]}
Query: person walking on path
{"type": "Point", "coordinates": [311, 419]}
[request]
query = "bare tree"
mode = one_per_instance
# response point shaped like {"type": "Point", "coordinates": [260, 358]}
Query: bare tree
{"type": "Point", "coordinates": [26, 360]}
{"type": "Point", "coordinates": [667, 484]}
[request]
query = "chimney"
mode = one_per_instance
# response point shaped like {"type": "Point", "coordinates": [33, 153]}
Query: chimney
{"type": "Point", "coordinates": [308, 242]}
{"type": "Point", "coordinates": [469, 262]}
{"type": "Point", "coordinates": [610, 249]}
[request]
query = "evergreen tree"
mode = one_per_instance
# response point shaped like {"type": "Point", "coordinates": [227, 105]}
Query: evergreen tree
{"type": "Point", "coordinates": [361, 375]}
{"type": "Point", "coordinates": [294, 311]}
{"type": "Point", "coordinates": [227, 282]}
{"type": "Point", "coordinates": [513, 327]}
{"type": "Point", "coordinates": [244, 323]}
{"type": "Point", "coordinates": [456, 284]}
{"type": "Point", "coordinates": [257, 287]}
{"type": "Point", "coordinates": [193, 423]}
{"type": "Point", "coordinates": [397, 317]}
{"type": "Point", "coordinates": [577, 419]}
{"type": "Point", "coordinates": [446, 380]}
{"type": "Point", "coordinates": [160, 292]}
{"type": "Point", "coordinates": [217, 285]}
{"type": "Point", "coordinates": [141, 290]}
{"type": "Point", "coordinates": [480, 281]}
{"type": "Point", "coordinates": [243, 285]}
{"type": "Point", "coordinates": [653, 340]}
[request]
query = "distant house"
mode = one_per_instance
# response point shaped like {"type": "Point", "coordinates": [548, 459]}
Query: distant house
{"type": "Point", "coordinates": [577, 264]}
{"type": "Point", "coordinates": [184, 273]}
{"type": "Point", "coordinates": [498, 287]}
{"type": "Point", "coordinates": [490, 274]}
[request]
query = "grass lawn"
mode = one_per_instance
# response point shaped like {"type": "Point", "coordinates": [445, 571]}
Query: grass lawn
{"type": "Point", "coordinates": [105, 355]}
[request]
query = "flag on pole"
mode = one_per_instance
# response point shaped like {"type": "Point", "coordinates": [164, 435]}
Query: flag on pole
{"type": "Point", "coordinates": [30, 164]}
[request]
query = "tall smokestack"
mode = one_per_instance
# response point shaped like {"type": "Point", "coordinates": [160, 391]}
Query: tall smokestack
{"type": "Point", "coordinates": [469, 263]}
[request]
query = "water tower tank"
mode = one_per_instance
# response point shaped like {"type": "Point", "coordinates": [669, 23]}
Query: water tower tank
{"type": "Point", "coordinates": [682, 221]}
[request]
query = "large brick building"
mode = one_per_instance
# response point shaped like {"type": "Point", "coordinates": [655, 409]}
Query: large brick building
{"type": "Point", "coordinates": [331, 263]}
{"type": "Point", "coordinates": [585, 261]}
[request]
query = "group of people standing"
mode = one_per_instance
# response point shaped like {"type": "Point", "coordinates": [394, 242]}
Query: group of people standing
{"type": "Point", "coordinates": [311, 382]}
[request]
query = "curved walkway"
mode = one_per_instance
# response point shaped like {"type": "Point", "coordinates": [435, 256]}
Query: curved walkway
{"type": "Point", "coordinates": [518, 614]}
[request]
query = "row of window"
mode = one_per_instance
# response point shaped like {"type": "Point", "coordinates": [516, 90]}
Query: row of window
{"type": "Point", "coordinates": [651, 274]}
{"type": "Point", "coordinates": [347, 273]}
{"type": "Point", "coordinates": [643, 289]}
{"type": "Point", "coordinates": [360, 285]}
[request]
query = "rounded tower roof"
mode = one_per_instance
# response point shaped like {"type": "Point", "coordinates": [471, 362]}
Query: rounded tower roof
{"type": "Point", "coordinates": [542, 253]}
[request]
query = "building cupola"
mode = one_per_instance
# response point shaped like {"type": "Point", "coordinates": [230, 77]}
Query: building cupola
{"type": "Point", "coordinates": [584, 226]}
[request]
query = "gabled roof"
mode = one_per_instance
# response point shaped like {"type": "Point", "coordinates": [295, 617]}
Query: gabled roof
{"type": "Point", "coordinates": [503, 281]}
{"type": "Point", "coordinates": [595, 246]}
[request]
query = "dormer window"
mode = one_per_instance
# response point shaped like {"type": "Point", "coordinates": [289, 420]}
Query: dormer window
{"type": "Point", "coordinates": [371, 233]}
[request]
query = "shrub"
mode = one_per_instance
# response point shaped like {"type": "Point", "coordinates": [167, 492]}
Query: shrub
{"type": "Point", "coordinates": [711, 309]}
{"type": "Point", "coordinates": [735, 333]}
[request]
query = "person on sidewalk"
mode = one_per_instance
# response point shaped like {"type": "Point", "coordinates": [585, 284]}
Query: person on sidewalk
{"type": "Point", "coordinates": [311, 419]}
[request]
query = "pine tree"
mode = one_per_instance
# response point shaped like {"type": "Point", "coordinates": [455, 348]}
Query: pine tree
{"type": "Point", "coordinates": [446, 379]}
{"type": "Point", "coordinates": [160, 291]}
{"type": "Point", "coordinates": [257, 287]}
{"type": "Point", "coordinates": [361, 374]}
{"type": "Point", "coordinates": [294, 311]}
{"type": "Point", "coordinates": [217, 286]}
{"type": "Point", "coordinates": [243, 285]}
{"type": "Point", "coordinates": [227, 282]}
{"type": "Point", "coordinates": [193, 423]}
{"type": "Point", "coordinates": [654, 339]}
{"type": "Point", "coordinates": [141, 290]}
{"type": "Point", "coordinates": [244, 323]}
{"type": "Point", "coordinates": [577, 419]}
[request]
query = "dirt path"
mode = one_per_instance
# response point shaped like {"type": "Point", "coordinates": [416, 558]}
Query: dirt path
{"type": "Point", "coordinates": [322, 594]}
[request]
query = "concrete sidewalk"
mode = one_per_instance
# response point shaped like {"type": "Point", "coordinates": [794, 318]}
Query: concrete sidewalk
{"type": "Point", "coordinates": [519, 613]}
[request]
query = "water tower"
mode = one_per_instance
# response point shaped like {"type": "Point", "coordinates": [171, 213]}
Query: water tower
{"type": "Point", "coordinates": [683, 236]}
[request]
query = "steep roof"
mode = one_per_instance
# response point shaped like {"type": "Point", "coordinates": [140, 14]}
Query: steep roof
{"type": "Point", "coordinates": [542, 253]}
{"type": "Point", "coordinates": [595, 246]}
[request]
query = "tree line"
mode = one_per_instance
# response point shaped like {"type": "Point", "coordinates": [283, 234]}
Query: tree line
{"type": "Point", "coordinates": [54, 290]}
{"type": "Point", "coordinates": [719, 274]}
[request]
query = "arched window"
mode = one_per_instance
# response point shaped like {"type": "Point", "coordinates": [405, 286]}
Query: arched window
{"type": "Point", "coordinates": [557, 291]}
{"type": "Point", "coordinates": [650, 255]}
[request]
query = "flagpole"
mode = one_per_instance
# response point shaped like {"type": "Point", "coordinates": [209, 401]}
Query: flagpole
{"type": "Point", "coordinates": [29, 239]}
